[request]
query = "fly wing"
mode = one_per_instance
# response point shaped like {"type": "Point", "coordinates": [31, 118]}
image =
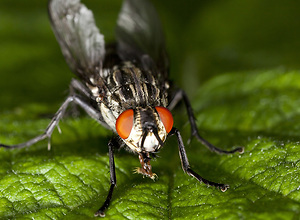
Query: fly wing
{"type": "Point", "coordinates": [140, 37]}
{"type": "Point", "coordinates": [80, 40]}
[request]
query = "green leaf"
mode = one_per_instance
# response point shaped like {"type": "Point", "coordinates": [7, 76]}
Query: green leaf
{"type": "Point", "coordinates": [257, 110]}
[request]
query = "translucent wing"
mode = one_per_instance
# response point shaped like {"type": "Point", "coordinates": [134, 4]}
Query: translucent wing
{"type": "Point", "coordinates": [140, 36]}
{"type": "Point", "coordinates": [80, 40]}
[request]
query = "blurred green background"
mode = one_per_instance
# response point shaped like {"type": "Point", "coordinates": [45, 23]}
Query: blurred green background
{"type": "Point", "coordinates": [204, 38]}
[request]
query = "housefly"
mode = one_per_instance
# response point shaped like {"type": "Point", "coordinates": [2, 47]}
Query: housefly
{"type": "Point", "coordinates": [123, 86]}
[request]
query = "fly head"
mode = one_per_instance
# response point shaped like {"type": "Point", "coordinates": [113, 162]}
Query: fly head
{"type": "Point", "coordinates": [144, 129]}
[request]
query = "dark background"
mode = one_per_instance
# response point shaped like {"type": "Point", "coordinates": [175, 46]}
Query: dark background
{"type": "Point", "coordinates": [204, 39]}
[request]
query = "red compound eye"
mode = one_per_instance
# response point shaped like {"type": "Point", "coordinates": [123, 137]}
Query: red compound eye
{"type": "Point", "coordinates": [166, 117]}
{"type": "Point", "coordinates": [124, 123]}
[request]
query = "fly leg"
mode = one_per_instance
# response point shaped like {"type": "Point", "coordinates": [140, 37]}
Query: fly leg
{"type": "Point", "coordinates": [55, 120]}
{"type": "Point", "coordinates": [113, 179]}
{"type": "Point", "coordinates": [180, 94]}
{"type": "Point", "coordinates": [186, 166]}
{"type": "Point", "coordinates": [76, 85]}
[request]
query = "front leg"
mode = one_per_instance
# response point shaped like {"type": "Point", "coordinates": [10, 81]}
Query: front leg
{"type": "Point", "coordinates": [113, 179]}
{"type": "Point", "coordinates": [186, 166]}
{"type": "Point", "coordinates": [55, 120]}
{"type": "Point", "coordinates": [179, 95]}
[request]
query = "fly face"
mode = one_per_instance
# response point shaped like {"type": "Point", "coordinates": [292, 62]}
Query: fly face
{"type": "Point", "coordinates": [144, 130]}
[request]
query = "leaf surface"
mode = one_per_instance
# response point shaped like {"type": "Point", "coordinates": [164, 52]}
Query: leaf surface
{"type": "Point", "coordinates": [257, 110]}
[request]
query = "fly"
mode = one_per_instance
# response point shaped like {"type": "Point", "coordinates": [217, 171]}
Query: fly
{"type": "Point", "coordinates": [123, 86]}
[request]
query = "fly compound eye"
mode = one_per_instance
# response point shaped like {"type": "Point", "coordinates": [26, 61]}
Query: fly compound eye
{"type": "Point", "coordinates": [124, 123]}
{"type": "Point", "coordinates": [166, 117]}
